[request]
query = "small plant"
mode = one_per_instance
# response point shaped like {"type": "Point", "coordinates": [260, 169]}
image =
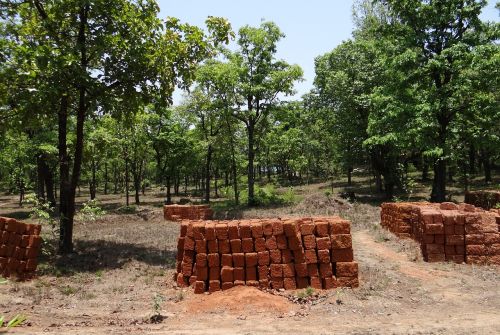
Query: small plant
{"type": "Point", "coordinates": [158, 300]}
{"type": "Point", "coordinates": [328, 193]}
{"type": "Point", "coordinates": [289, 196]}
{"type": "Point", "coordinates": [497, 206]}
{"type": "Point", "coordinates": [91, 211]}
{"type": "Point", "coordinates": [99, 274]}
{"type": "Point", "coordinates": [339, 295]}
{"type": "Point", "coordinates": [306, 293]}
{"type": "Point", "coordinates": [41, 211]}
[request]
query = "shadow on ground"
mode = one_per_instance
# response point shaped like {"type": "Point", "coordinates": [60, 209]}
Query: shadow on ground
{"type": "Point", "coordinates": [93, 256]}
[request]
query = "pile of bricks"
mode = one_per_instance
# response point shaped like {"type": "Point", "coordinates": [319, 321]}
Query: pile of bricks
{"type": "Point", "coordinates": [187, 212]}
{"type": "Point", "coordinates": [446, 231]}
{"type": "Point", "coordinates": [483, 199]}
{"type": "Point", "coordinates": [267, 253]}
{"type": "Point", "coordinates": [19, 247]}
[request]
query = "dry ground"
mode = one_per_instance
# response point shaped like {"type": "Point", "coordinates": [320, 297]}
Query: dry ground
{"type": "Point", "coordinates": [124, 261]}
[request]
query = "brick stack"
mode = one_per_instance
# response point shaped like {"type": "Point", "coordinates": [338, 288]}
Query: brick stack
{"type": "Point", "coordinates": [19, 247]}
{"type": "Point", "coordinates": [187, 212]}
{"type": "Point", "coordinates": [447, 232]}
{"type": "Point", "coordinates": [483, 199]}
{"type": "Point", "coordinates": [267, 253]}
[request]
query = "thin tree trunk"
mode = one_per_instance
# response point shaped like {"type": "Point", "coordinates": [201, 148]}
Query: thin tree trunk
{"type": "Point", "coordinates": [251, 156]}
{"type": "Point", "coordinates": [207, 173]}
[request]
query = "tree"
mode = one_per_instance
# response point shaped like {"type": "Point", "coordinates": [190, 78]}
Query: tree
{"type": "Point", "coordinates": [262, 79]}
{"type": "Point", "coordinates": [98, 54]}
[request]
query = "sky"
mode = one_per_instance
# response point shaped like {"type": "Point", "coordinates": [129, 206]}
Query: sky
{"type": "Point", "coordinates": [312, 27]}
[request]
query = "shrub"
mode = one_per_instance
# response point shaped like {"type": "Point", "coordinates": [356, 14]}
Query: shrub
{"type": "Point", "coordinates": [91, 211]}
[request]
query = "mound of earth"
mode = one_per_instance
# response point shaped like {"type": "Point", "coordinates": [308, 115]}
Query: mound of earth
{"type": "Point", "coordinates": [238, 300]}
{"type": "Point", "coordinates": [322, 202]}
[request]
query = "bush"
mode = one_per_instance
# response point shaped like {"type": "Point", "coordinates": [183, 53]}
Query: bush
{"type": "Point", "coordinates": [91, 211]}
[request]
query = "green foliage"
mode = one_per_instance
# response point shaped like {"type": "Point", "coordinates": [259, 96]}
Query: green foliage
{"type": "Point", "coordinates": [91, 211]}
{"type": "Point", "coordinates": [306, 293]}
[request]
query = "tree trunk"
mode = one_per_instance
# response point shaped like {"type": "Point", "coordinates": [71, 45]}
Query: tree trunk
{"type": "Point", "coordinates": [425, 171]}
{"type": "Point", "coordinates": [216, 176]}
{"type": "Point", "coordinates": [439, 184]}
{"type": "Point", "coordinates": [472, 160]}
{"type": "Point", "coordinates": [169, 194]}
{"type": "Point", "coordinates": [251, 156]}
{"type": "Point", "coordinates": [207, 173]}
{"type": "Point", "coordinates": [487, 168]}
{"type": "Point", "coordinates": [64, 188]}
{"type": "Point", "coordinates": [93, 181]}
{"type": "Point", "coordinates": [105, 178]}
{"type": "Point", "coordinates": [126, 182]}
{"type": "Point", "coordinates": [40, 177]}
{"type": "Point", "coordinates": [349, 175]}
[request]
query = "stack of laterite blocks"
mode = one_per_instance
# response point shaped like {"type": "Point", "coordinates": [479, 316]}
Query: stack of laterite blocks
{"type": "Point", "coordinates": [19, 247]}
{"type": "Point", "coordinates": [187, 212]}
{"type": "Point", "coordinates": [446, 231]}
{"type": "Point", "coordinates": [267, 253]}
{"type": "Point", "coordinates": [483, 199]}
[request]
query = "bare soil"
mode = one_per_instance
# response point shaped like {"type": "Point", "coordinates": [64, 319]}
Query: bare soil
{"type": "Point", "coordinates": [124, 262]}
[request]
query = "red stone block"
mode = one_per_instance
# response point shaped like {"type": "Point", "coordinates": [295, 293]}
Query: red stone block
{"type": "Point", "coordinates": [214, 273]}
{"type": "Point", "coordinates": [474, 239]}
{"type": "Point", "coordinates": [346, 269]}
{"type": "Point", "coordinates": [253, 283]}
{"type": "Point", "coordinates": [299, 256]}
{"type": "Point", "coordinates": [213, 260]}
{"type": "Point", "coordinates": [325, 270]}
{"type": "Point", "coordinates": [323, 243]}
{"type": "Point", "coordinates": [278, 228]}
{"type": "Point", "coordinates": [235, 245]}
{"type": "Point", "coordinates": [449, 230]}
{"type": "Point", "coordinates": [25, 240]}
{"type": "Point", "coordinates": [448, 206]}
{"type": "Point", "coordinates": [245, 230]}
{"type": "Point", "coordinates": [323, 256]}
{"type": "Point", "coordinates": [348, 282]}
{"type": "Point", "coordinates": [224, 247]}
{"type": "Point", "coordinates": [491, 238]}
{"type": "Point", "coordinates": [239, 283]}
{"type": "Point", "coordinates": [201, 259]}
{"type": "Point", "coordinates": [190, 232]}
{"type": "Point", "coordinates": [435, 248]}
{"type": "Point", "coordinates": [316, 283]}
{"type": "Point", "coordinates": [267, 228]}
{"type": "Point", "coordinates": [290, 227]}
{"type": "Point", "coordinates": [286, 256]}
{"type": "Point", "coordinates": [187, 269]}
{"type": "Point", "coordinates": [227, 286]}
{"type": "Point", "coordinates": [295, 242]}
{"type": "Point", "coordinates": [476, 250]}
{"type": "Point", "coordinates": [459, 259]}
{"type": "Point", "coordinates": [289, 283]}
{"type": "Point", "coordinates": [221, 231]}
{"type": "Point", "coordinates": [288, 270]}
{"type": "Point", "coordinates": [212, 246]}
{"type": "Point", "coordinates": [264, 283]}
{"type": "Point", "coordinates": [302, 282]}
{"type": "Point", "coordinates": [322, 228]}
{"type": "Point", "coordinates": [35, 241]}
{"type": "Point", "coordinates": [340, 227]}
{"type": "Point", "coordinates": [263, 271]}
{"type": "Point", "coordinates": [260, 244]}
{"type": "Point", "coordinates": [239, 260]}
{"type": "Point", "coordinates": [309, 241]}
{"type": "Point", "coordinates": [342, 255]}
{"type": "Point", "coordinates": [275, 256]}
{"type": "Point", "coordinates": [341, 241]}
{"type": "Point", "coordinates": [188, 256]}
{"type": "Point", "coordinates": [277, 283]}
{"type": "Point", "coordinates": [449, 250]}
{"type": "Point", "coordinates": [251, 259]}
{"type": "Point", "coordinates": [480, 260]}
{"type": "Point", "coordinates": [199, 231]}
{"type": "Point", "coordinates": [455, 239]}
{"type": "Point", "coordinates": [257, 230]}
{"type": "Point", "coordinates": [251, 273]}
{"type": "Point", "coordinates": [307, 228]}
{"type": "Point", "coordinates": [5, 236]}
{"type": "Point", "coordinates": [233, 231]}
{"type": "Point", "coordinates": [247, 245]}
{"type": "Point", "coordinates": [460, 249]}
{"type": "Point", "coordinates": [329, 283]}
{"type": "Point", "coordinates": [312, 270]}
{"type": "Point", "coordinates": [264, 258]}
{"type": "Point", "coordinates": [201, 272]}
{"type": "Point", "coordinates": [459, 229]}
{"type": "Point", "coordinates": [439, 239]}
{"type": "Point", "coordinates": [301, 270]}
{"type": "Point", "coordinates": [227, 260]}
{"type": "Point", "coordinates": [199, 287]}
{"type": "Point", "coordinates": [435, 228]}
{"type": "Point", "coordinates": [310, 256]}
{"type": "Point", "coordinates": [428, 238]}
{"type": "Point", "coordinates": [271, 243]}
{"type": "Point", "coordinates": [210, 232]}
{"type": "Point", "coordinates": [281, 242]}
{"type": "Point", "coordinates": [239, 274]}
{"type": "Point", "coordinates": [226, 274]}
{"type": "Point", "coordinates": [276, 270]}
{"type": "Point", "coordinates": [214, 286]}
{"type": "Point", "coordinates": [181, 281]}
{"type": "Point", "coordinates": [201, 246]}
